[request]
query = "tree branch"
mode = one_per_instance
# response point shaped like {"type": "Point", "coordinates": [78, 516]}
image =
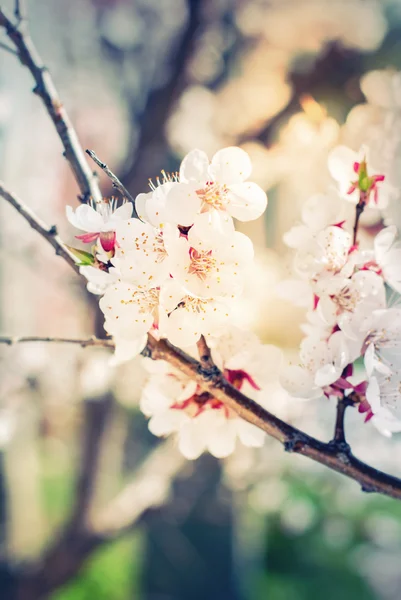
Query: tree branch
{"type": "Point", "coordinates": [211, 380]}
{"type": "Point", "coordinates": [46, 90]}
{"type": "Point", "coordinates": [360, 207]}
{"type": "Point", "coordinates": [293, 440]}
{"type": "Point", "coordinates": [205, 355]}
{"type": "Point", "coordinates": [339, 440]}
{"type": "Point", "coordinates": [114, 179]}
{"type": "Point", "coordinates": [8, 49]}
{"type": "Point", "coordinates": [20, 11]}
{"type": "Point", "coordinates": [49, 233]}
{"type": "Point", "coordinates": [92, 341]}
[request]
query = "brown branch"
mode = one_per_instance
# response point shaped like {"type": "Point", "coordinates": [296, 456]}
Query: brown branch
{"type": "Point", "coordinates": [20, 11]}
{"type": "Point", "coordinates": [49, 233]}
{"type": "Point", "coordinates": [294, 440]}
{"type": "Point", "coordinates": [114, 179]}
{"type": "Point", "coordinates": [46, 90]}
{"type": "Point", "coordinates": [205, 355]}
{"type": "Point", "coordinates": [360, 207]}
{"type": "Point", "coordinates": [92, 341]}
{"type": "Point", "coordinates": [339, 432]}
{"type": "Point", "coordinates": [8, 49]}
{"type": "Point", "coordinates": [211, 380]}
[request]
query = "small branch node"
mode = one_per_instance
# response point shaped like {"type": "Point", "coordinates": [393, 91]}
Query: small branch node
{"type": "Point", "coordinates": [209, 373]}
{"type": "Point", "coordinates": [294, 443]}
{"type": "Point", "coordinates": [369, 489]}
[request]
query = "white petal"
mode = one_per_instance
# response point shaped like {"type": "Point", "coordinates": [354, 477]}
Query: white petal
{"type": "Point", "coordinates": [127, 349]}
{"type": "Point", "coordinates": [250, 435]}
{"type": "Point", "coordinates": [122, 213]}
{"type": "Point", "coordinates": [221, 442]}
{"type": "Point", "coordinates": [326, 375]}
{"type": "Point", "coordinates": [299, 383]}
{"type": "Point", "coordinates": [369, 359]}
{"type": "Point", "coordinates": [156, 205]}
{"type": "Point", "coordinates": [194, 167]}
{"type": "Point", "coordinates": [297, 236]}
{"type": "Point", "coordinates": [340, 163]}
{"type": "Point", "coordinates": [383, 242]}
{"type": "Point", "coordinates": [182, 328]}
{"type": "Point", "coordinates": [183, 203]}
{"type": "Point", "coordinates": [166, 422]}
{"type": "Point", "coordinates": [209, 228]}
{"type": "Point", "coordinates": [373, 394]}
{"type": "Point", "coordinates": [247, 201]}
{"type": "Point", "coordinates": [191, 440]}
{"type": "Point", "coordinates": [140, 205]}
{"type": "Point", "coordinates": [85, 218]}
{"type": "Point", "coordinates": [230, 165]}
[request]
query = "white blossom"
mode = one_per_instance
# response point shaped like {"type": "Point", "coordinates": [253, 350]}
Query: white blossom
{"type": "Point", "coordinates": [321, 364]}
{"type": "Point", "coordinates": [210, 267]}
{"type": "Point", "coordinates": [183, 318]}
{"type": "Point", "coordinates": [353, 173]}
{"type": "Point", "coordinates": [218, 186]}
{"type": "Point", "coordinates": [129, 315]}
{"type": "Point", "coordinates": [175, 404]}
{"type": "Point", "coordinates": [99, 220]}
{"type": "Point", "coordinates": [388, 256]}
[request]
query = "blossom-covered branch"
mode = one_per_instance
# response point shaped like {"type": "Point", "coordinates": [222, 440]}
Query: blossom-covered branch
{"type": "Point", "coordinates": [46, 90]}
{"type": "Point", "coordinates": [213, 382]}
{"type": "Point", "coordinates": [171, 278]}
{"type": "Point", "coordinates": [293, 439]}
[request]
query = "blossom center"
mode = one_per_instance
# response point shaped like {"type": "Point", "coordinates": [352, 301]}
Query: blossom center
{"type": "Point", "coordinates": [347, 298]}
{"type": "Point", "coordinates": [202, 263]}
{"type": "Point", "coordinates": [147, 301]}
{"type": "Point", "coordinates": [213, 196]}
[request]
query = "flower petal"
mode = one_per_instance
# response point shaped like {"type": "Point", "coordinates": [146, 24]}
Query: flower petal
{"type": "Point", "coordinates": [194, 167]}
{"type": "Point", "coordinates": [247, 201]}
{"type": "Point", "coordinates": [183, 203]}
{"type": "Point", "coordinates": [230, 165]}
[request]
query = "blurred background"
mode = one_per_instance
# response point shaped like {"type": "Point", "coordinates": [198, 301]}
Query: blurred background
{"type": "Point", "coordinates": [144, 82]}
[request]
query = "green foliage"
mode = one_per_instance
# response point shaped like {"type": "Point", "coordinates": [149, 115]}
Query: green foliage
{"type": "Point", "coordinates": [111, 574]}
{"type": "Point", "coordinates": [84, 258]}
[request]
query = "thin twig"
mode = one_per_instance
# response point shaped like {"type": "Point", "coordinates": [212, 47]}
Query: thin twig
{"type": "Point", "coordinates": [49, 233]}
{"type": "Point", "coordinates": [92, 341]}
{"type": "Point", "coordinates": [205, 355]}
{"type": "Point", "coordinates": [339, 431]}
{"type": "Point", "coordinates": [20, 11]}
{"type": "Point", "coordinates": [358, 211]}
{"type": "Point", "coordinates": [114, 179]}
{"type": "Point", "coordinates": [8, 49]}
{"type": "Point", "coordinates": [46, 90]}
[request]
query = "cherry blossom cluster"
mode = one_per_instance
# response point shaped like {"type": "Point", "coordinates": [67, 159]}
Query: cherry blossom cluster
{"type": "Point", "coordinates": [352, 342]}
{"type": "Point", "coordinates": [177, 271]}
{"type": "Point", "coordinates": [175, 404]}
